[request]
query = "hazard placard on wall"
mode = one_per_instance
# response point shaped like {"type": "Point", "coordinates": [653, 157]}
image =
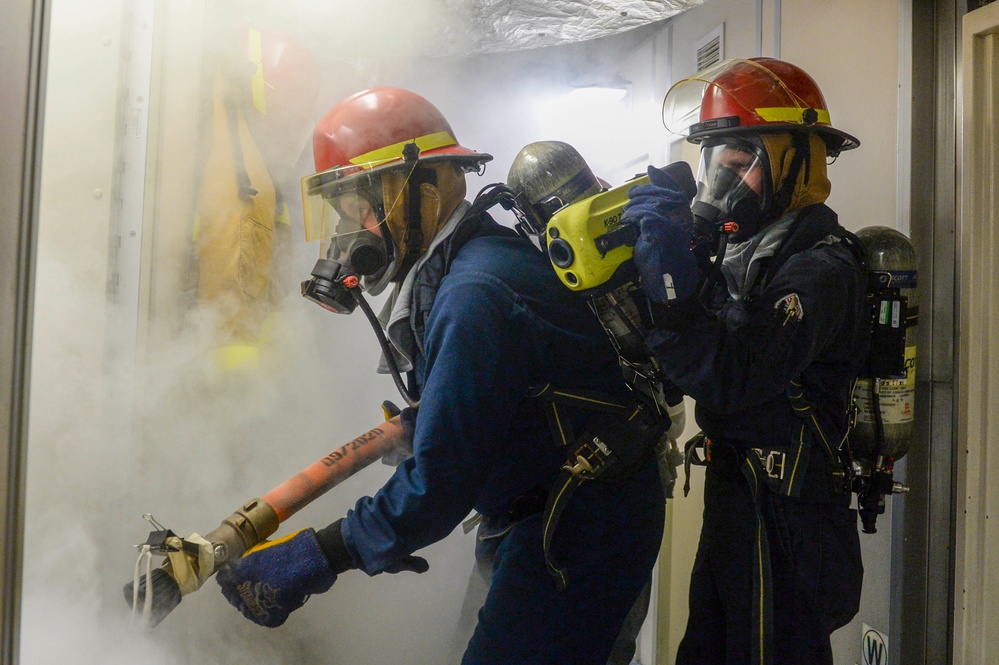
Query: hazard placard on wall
{"type": "Point", "coordinates": [874, 647]}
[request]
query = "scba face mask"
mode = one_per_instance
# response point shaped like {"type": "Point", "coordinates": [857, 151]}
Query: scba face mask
{"type": "Point", "coordinates": [347, 207]}
{"type": "Point", "coordinates": [733, 189]}
{"type": "Point", "coordinates": [359, 243]}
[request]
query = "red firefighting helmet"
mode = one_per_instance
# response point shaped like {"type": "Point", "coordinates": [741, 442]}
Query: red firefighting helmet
{"type": "Point", "coordinates": [284, 74]}
{"type": "Point", "coordinates": [758, 95]}
{"type": "Point", "coordinates": [387, 165]}
{"type": "Point", "coordinates": [371, 134]}
{"type": "Point", "coordinates": [371, 128]}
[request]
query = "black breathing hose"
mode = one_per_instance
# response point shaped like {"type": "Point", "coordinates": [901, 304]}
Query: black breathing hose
{"type": "Point", "coordinates": [413, 402]}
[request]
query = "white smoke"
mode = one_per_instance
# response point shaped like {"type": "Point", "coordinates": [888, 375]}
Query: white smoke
{"type": "Point", "coordinates": [112, 437]}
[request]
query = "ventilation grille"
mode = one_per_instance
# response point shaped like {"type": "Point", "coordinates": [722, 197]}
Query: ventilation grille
{"type": "Point", "coordinates": [710, 48]}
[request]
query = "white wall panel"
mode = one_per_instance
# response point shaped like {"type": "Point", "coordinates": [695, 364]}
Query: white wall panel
{"type": "Point", "coordinates": [976, 631]}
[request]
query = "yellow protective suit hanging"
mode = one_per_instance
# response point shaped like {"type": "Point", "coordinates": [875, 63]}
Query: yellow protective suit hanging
{"type": "Point", "coordinates": [234, 234]}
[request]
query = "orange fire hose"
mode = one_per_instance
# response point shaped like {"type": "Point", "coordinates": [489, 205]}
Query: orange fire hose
{"type": "Point", "coordinates": [257, 519]}
{"type": "Point", "coordinates": [315, 480]}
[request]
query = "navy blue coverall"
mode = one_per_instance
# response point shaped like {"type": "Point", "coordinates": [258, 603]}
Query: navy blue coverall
{"type": "Point", "coordinates": [501, 323]}
{"type": "Point", "coordinates": [802, 322]}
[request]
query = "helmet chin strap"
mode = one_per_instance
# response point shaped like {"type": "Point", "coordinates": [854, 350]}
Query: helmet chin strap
{"type": "Point", "coordinates": [413, 237]}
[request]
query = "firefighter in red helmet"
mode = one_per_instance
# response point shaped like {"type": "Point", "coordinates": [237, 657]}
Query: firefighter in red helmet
{"type": "Point", "coordinates": [484, 330]}
{"type": "Point", "coordinates": [366, 187]}
{"type": "Point", "coordinates": [758, 298]}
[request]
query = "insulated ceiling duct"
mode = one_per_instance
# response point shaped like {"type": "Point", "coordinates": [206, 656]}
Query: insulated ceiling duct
{"type": "Point", "coordinates": [489, 26]}
{"type": "Point", "coordinates": [374, 29]}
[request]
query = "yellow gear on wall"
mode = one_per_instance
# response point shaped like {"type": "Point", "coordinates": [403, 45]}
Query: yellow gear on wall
{"type": "Point", "coordinates": [234, 234]}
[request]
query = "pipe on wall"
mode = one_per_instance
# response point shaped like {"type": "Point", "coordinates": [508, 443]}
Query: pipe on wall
{"type": "Point", "coordinates": [21, 77]}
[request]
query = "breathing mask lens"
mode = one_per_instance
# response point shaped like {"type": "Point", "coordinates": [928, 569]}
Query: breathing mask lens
{"type": "Point", "coordinates": [359, 242]}
{"type": "Point", "coordinates": [730, 189]}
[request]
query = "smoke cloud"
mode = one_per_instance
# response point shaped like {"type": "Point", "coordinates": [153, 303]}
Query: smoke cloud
{"type": "Point", "coordinates": [154, 423]}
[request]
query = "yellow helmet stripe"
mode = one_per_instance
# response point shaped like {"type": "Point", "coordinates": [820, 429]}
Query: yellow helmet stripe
{"type": "Point", "coordinates": [394, 151]}
{"type": "Point", "coordinates": [254, 51]}
{"type": "Point", "coordinates": [790, 114]}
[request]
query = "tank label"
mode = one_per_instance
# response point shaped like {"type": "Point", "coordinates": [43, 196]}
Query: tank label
{"type": "Point", "coordinates": [896, 279]}
{"type": "Point", "coordinates": [895, 395]}
{"type": "Point", "coordinates": [902, 279]}
{"type": "Point", "coordinates": [890, 313]}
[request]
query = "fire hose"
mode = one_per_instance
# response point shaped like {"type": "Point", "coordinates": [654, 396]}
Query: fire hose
{"type": "Point", "coordinates": [192, 560]}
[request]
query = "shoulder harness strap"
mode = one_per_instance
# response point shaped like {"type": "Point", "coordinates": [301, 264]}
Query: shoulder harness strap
{"type": "Point", "coordinates": [797, 393]}
{"type": "Point", "coordinates": [618, 435]}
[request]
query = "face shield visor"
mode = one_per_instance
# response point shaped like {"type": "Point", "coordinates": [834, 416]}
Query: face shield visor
{"type": "Point", "coordinates": [347, 208]}
{"type": "Point", "coordinates": [682, 104]}
{"type": "Point", "coordinates": [732, 188]}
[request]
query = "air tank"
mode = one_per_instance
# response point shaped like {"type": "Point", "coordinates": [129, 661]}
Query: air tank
{"type": "Point", "coordinates": [888, 378]}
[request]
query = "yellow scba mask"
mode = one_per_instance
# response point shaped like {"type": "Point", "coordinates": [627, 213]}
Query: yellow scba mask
{"type": "Point", "coordinates": [812, 184]}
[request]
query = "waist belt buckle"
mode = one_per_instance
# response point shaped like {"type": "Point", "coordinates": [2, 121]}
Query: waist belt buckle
{"type": "Point", "coordinates": [772, 462]}
{"type": "Point", "coordinates": [591, 457]}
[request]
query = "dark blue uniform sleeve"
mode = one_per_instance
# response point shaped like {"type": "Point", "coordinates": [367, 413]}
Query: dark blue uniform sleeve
{"type": "Point", "coordinates": [750, 350]}
{"type": "Point", "coordinates": [478, 355]}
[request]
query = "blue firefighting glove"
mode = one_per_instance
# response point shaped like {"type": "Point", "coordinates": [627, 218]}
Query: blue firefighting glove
{"type": "Point", "coordinates": [662, 255]}
{"type": "Point", "coordinates": [275, 578]}
{"type": "Point", "coordinates": [331, 541]}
